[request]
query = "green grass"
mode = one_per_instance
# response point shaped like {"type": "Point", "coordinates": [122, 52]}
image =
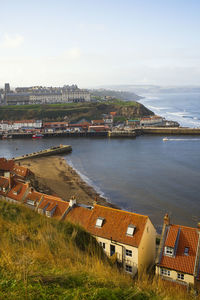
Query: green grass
{"type": "Point", "coordinates": [73, 111]}
{"type": "Point", "coordinates": [41, 258]}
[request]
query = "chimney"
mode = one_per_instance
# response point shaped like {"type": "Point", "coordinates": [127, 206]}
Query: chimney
{"type": "Point", "coordinates": [72, 201]}
{"type": "Point", "coordinates": [166, 219]}
{"type": "Point", "coordinates": [95, 201]}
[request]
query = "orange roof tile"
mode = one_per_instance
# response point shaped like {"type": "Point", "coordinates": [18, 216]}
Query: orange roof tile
{"type": "Point", "coordinates": [18, 191]}
{"type": "Point", "coordinates": [79, 215]}
{"type": "Point", "coordinates": [6, 165]}
{"type": "Point", "coordinates": [171, 237]}
{"type": "Point", "coordinates": [116, 223]}
{"type": "Point", "coordinates": [20, 170]}
{"type": "Point", "coordinates": [52, 201]}
{"type": "Point", "coordinates": [181, 262]}
{"type": "Point", "coordinates": [34, 196]}
{"type": "Point", "coordinates": [4, 183]}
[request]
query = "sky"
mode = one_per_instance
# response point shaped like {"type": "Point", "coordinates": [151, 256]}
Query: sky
{"type": "Point", "coordinates": [99, 42]}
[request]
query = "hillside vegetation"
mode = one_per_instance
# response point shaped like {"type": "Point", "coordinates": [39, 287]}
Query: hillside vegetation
{"type": "Point", "coordinates": [74, 111]}
{"type": "Point", "coordinates": [41, 258]}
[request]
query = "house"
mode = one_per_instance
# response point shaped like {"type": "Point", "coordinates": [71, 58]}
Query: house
{"type": "Point", "coordinates": [20, 171]}
{"type": "Point", "coordinates": [4, 187]}
{"type": "Point", "coordinates": [151, 121]}
{"type": "Point", "coordinates": [129, 237]}
{"type": "Point", "coordinates": [6, 166]}
{"type": "Point", "coordinates": [52, 207]}
{"type": "Point", "coordinates": [33, 199]}
{"type": "Point", "coordinates": [97, 122]}
{"type": "Point", "coordinates": [18, 192]}
{"type": "Point", "coordinates": [133, 123]}
{"type": "Point", "coordinates": [178, 254]}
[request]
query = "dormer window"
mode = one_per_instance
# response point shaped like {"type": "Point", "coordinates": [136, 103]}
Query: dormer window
{"type": "Point", "coordinates": [130, 230]}
{"type": "Point", "coordinates": [186, 251]}
{"type": "Point", "coordinates": [169, 251]}
{"type": "Point", "coordinates": [99, 222]}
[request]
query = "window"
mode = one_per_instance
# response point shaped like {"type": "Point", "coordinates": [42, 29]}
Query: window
{"type": "Point", "coordinates": [129, 269]}
{"type": "Point", "coordinates": [128, 252]}
{"type": "Point", "coordinates": [186, 251]}
{"type": "Point", "coordinates": [169, 251]}
{"type": "Point", "coordinates": [130, 230]}
{"type": "Point", "coordinates": [180, 276]}
{"type": "Point", "coordinates": [30, 202]}
{"type": "Point", "coordinates": [103, 245]}
{"type": "Point", "coordinates": [99, 222]}
{"type": "Point", "coordinates": [165, 272]}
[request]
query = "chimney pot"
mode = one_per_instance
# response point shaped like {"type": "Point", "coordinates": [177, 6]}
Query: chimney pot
{"type": "Point", "coordinates": [166, 219]}
{"type": "Point", "coordinates": [198, 226]}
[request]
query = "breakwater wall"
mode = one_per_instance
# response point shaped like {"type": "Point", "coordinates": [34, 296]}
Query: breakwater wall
{"type": "Point", "coordinates": [121, 134]}
{"type": "Point", "coordinates": [19, 135]}
{"type": "Point", "coordinates": [170, 131]}
{"type": "Point", "coordinates": [62, 149]}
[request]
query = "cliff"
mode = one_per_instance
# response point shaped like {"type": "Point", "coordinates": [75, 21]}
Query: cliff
{"type": "Point", "coordinates": [74, 111]}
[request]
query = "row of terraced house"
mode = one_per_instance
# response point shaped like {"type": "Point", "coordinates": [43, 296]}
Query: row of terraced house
{"type": "Point", "coordinates": [128, 237]}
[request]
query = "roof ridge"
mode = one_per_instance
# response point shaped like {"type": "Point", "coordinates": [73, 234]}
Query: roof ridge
{"type": "Point", "coordinates": [117, 209]}
{"type": "Point", "coordinates": [183, 226]}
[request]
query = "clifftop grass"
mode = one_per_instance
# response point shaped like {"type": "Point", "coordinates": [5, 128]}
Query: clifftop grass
{"type": "Point", "coordinates": [41, 258]}
{"type": "Point", "coordinates": [72, 111]}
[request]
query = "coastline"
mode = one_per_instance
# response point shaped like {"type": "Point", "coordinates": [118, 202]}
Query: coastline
{"type": "Point", "coordinates": [53, 175]}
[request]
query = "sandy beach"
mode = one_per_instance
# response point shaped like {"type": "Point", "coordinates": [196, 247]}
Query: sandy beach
{"type": "Point", "coordinates": [54, 176]}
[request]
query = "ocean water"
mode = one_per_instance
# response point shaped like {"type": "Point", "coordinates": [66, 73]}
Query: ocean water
{"type": "Point", "coordinates": [183, 108]}
{"type": "Point", "coordinates": [145, 175]}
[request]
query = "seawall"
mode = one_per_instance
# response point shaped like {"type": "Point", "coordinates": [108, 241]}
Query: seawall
{"type": "Point", "coordinates": [47, 152]}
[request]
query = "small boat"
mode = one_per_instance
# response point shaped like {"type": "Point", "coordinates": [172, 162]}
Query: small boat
{"type": "Point", "coordinates": [6, 136]}
{"type": "Point", "coordinates": [165, 139]}
{"type": "Point", "coordinates": [37, 136]}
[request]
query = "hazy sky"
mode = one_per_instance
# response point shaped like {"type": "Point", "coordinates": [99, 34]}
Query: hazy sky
{"type": "Point", "coordinates": [96, 42]}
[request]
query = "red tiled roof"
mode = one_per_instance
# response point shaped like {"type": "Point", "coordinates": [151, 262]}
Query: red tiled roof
{"type": "Point", "coordinates": [79, 215]}
{"type": "Point", "coordinates": [20, 189]}
{"type": "Point", "coordinates": [34, 196]}
{"type": "Point", "coordinates": [6, 165]}
{"type": "Point", "coordinates": [52, 202]}
{"type": "Point", "coordinates": [181, 262]}
{"type": "Point", "coordinates": [20, 170]}
{"type": "Point", "coordinates": [115, 223]}
{"type": "Point", "coordinates": [171, 237]}
{"type": "Point", "coordinates": [4, 182]}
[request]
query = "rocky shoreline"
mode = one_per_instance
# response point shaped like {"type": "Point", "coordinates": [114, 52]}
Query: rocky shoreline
{"type": "Point", "coordinates": [52, 175]}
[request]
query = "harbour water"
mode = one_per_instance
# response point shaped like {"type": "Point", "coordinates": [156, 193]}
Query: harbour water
{"type": "Point", "coordinates": [144, 175]}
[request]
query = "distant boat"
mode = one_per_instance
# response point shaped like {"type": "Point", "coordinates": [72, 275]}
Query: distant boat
{"type": "Point", "coordinates": [37, 136]}
{"type": "Point", "coordinates": [6, 136]}
{"type": "Point", "coordinates": [165, 139]}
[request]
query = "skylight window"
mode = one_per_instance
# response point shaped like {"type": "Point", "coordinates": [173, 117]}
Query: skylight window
{"type": "Point", "coordinates": [186, 251]}
{"type": "Point", "coordinates": [169, 251]}
{"type": "Point", "coordinates": [130, 230]}
{"type": "Point", "coordinates": [99, 222]}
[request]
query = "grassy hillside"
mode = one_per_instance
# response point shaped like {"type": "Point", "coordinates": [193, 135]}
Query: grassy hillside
{"type": "Point", "coordinates": [73, 111]}
{"type": "Point", "coordinates": [41, 258]}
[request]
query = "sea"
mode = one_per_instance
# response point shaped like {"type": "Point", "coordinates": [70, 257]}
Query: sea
{"type": "Point", "coordinates": [145, 175]}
